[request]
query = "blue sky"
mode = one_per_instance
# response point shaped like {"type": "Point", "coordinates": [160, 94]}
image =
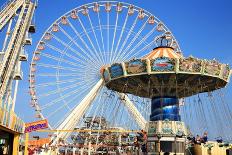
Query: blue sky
{"type": "Point", "coordinates": [203, 29]}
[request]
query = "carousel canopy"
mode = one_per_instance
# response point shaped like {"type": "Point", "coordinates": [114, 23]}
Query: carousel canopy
{"type": "Point", "coordinates": [165, 73]}
{"type": "Point", "coordinates": [162, 52]}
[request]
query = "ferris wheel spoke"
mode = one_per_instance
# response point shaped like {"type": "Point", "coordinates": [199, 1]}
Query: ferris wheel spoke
{"type": "Point", "coordinates": [62, 120]}
{"type": "Point", "coordinates": [57, 91]}
{"type": "Point", "coordinates": [137, 45]}
{"type": "Point", "coordinates": [66, 95]}
{"type": "Point", "coordinates": [55, 74]}
{"type": "Point", "coordinates": [80, 75]}
{"type": "Point", "coordinates": [120, 37]}
{"type": "Point", "coordinates": [108, 33]}
{"type": "Point", "coordinates": [102, 40]}
{"type": "Point", "coordinates": [83, 41]}
{"type": "Point", "coordinates": [80, 69]}
{"type": "Point", "coordinates": [114, 111]}
{"type": "Point", "coordinates": [77, 45]}
{"type": "Point", "coordinates": [62, 52]}
{"type": "Point", "coordinates": [118, 113]}
{"type": "Point", "coordinates": [94, 113]}
{"type": "Point", "coordinates": [46, 84]}
{"type": "Point", "coordinates": [144, 48]}
{"type": "Point", "coordinates": [101, 116]}
{"type": "Point", "coordinates": [127, 37]}
{"type": "Point", "coordinates": [133, 40]}
{"type": "Point", "coordinates": [115, 28]}
{"type": "Point", "coordinates": [57, 67]}
{"type": "Point", "coordinates": [76, 114]}
{"type": "Point", "coordinates": [128, 53]}
{"type": "Point", "coordinates": [64, 88]}
{"type": "Point", "coordinates": [61, 107]}
{"type": "Point", "coordinates": [61, 60]}
{"type": "Point", "coordinates": [87, 35]}
{"type": "Point", "coordinates": [68, 47]}
{"type": "Point", "coordinates": [99, 49]}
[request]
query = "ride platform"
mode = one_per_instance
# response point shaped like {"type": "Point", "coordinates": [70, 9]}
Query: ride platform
{"type": "Point", "coordinates": [165, 73]}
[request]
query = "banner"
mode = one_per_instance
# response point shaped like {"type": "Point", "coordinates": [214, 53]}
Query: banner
{"type": "Point", "coordinates": [34, 126]}
{"type": "Point", "coordinates": [39, 142]}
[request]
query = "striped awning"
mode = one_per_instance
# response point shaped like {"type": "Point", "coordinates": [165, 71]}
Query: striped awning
{"type": "Point", "coordinates": [162, 52]}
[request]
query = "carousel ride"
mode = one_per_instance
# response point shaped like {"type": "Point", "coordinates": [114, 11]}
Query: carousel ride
{"type": "Point", "coordinates": [91, 70]}
{"type": "Point", "coordinates": [166, 77]}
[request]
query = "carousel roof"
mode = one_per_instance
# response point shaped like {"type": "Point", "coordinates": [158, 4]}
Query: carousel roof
{"type": "Point", "coordinates": [162, 51]}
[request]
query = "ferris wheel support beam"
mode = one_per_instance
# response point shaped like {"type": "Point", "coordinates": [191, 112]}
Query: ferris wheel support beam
{"type": "Point", "coordinates": [74, 117]}
{"type": "Point", "coordinates": [7, 35]}
{"type": "Point", "coordinates": [133, 110]}
{"type": "Point", "coordinates": [9, 11]}
{"type": "Point", "coordinates": [15, 44]}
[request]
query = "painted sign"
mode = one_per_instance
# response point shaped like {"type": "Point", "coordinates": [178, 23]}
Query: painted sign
{"type": "Point", "coordinates": [190, 65]}
{"type": "Point", "coordinates": [38, 125]}
{"type": "Point", "coordinates": [39, 142]}
{"type": "Point", "coordinates": [212, 67]}
{"type": "Point", "coordinates": [225, 71]}
{"type": "Point", "coordinates": [135, 66]}
{"type": "Point", "coordinates": [163, 64]}
{"type": "Point", "coordinates": [116, 70]}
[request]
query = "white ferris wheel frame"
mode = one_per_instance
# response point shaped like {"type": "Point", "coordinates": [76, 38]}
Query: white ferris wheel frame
{"type": "Point", "coordinates": [80, 108]}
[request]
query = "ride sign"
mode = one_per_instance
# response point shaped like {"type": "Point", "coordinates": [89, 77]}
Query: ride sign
{"type": "Point", "coordinates": [34, 126]}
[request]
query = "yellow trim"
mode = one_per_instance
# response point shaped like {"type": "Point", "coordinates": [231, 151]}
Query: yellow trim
{"type": "Point", "coordinates": [16, 144]}
{"type": "Point", "coordinates": [88, 130]}
{"type": "Point", "coordinates": [9, 120]}
{"type": "Point", "coordinates": [26, 143]}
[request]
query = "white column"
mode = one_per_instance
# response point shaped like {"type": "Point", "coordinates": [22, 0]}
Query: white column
{"type": "Point", "coordinates": [74, 117]}
{"type": "Point", "coordinates": [133, 110]}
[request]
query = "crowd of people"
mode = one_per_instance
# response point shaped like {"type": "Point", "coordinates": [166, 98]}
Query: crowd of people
{"type": "Point", "coordinates": [198, 139]}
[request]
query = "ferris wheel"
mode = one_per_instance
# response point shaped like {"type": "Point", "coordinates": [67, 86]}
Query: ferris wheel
{"type": "Point", "coordinates": [66, 85]}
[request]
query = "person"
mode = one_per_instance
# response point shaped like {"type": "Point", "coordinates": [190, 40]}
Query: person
{"type": "Point", "coordinates": [205, 137]}
{"type": "Point", "coordinates": [144, 144]}
{"type": "Point", "coordinates": [198, 139]}
{"type": "Point", "coordinates": [136, 144]}
{"type": "Point", "coordinates": [194, 140]}
{"type": "Point", "coordinates": [144, 149]}
{"type": "Point", "coordinates": [5, 149]}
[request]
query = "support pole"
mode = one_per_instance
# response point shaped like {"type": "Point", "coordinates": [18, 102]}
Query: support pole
{"type": "Point", "coordinates": [26, 143]}
{"type": "Point", "coordinates": [7, 35]}
{"type": "Point", "coordinates": [16, 144]}
{"type": "Point", "coordinates": [77, 113]}
{"type": "Point", "coordinates": [15, 95]}
{"type": "Point", "coordinates": [133, 110]}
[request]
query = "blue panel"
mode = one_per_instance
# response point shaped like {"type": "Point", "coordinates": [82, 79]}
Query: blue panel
{"type": "Point", "coordinates": [165, 108]}
{"type": "Point", "coordinates": [116, 70]}
{"type": "Point", "coordinates": [164, 101]}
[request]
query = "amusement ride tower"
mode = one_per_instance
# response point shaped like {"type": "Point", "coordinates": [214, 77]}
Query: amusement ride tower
{"type": "Point", "coordinates": [165, 76]}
